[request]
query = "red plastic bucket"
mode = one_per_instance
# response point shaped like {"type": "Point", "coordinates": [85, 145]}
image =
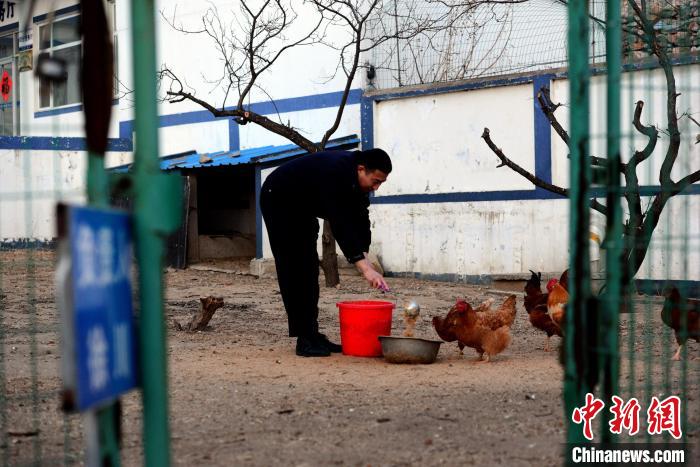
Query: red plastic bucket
{"type": "Point", "coordinates": [361, 324]}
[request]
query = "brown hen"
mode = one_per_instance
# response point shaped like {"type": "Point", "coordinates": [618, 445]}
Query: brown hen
{"type": "Point", "coordinates": [536, 307]}
{"type": "Point", "coordinates": [462, 324]}
{"type": "Point", "coordinates": [672, 316]}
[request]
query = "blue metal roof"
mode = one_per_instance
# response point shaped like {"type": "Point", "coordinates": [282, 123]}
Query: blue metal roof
{"type": "Point", "coordinates": [194, 160]}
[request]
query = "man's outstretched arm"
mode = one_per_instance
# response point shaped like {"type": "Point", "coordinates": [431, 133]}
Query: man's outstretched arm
{"type": "Point", "coordinates": [373, 277]}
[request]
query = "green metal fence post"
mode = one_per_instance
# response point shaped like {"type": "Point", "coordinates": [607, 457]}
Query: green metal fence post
{"type": "Point", "coordinates": [610, 301]}
{"type": "Point", "coordinates": [579, 270]}
{"type": "Point", "coordinates": [107, 417]}
{"type": "Point", "coordinates": [148, 219]}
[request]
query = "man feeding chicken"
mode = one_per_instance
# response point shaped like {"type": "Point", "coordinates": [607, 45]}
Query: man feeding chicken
{"type": "Point", "coordinates": [332, 185]}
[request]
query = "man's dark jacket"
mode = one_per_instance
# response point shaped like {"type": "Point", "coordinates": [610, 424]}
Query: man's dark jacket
{"type": "Point", "coordinates": [325, 185]}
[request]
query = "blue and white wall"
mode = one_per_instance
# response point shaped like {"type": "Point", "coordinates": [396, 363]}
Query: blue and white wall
{"type": "Point", "coordinates": [446, 212]}
{"type": "Point", "coordinates": [46, 162]}
{"type": "Point", "coordinates": [449, 212]}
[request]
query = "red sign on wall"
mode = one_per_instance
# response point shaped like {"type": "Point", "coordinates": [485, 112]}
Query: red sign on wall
{"type": "Point", "coordinates": [5, 86]}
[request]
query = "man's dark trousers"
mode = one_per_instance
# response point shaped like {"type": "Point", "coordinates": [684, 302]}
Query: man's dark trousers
{"type": "Point", "coordinates": [293, 237]}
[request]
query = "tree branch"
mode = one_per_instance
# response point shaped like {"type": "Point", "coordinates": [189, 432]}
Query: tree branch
{"type": "Point", "coordinates": [486, 135]}
{"type": "Point", "coordinates": [358, 28]}
{"type": "Point", "coordinates": [659, 49]}
{"type": "Point", "coordinates": [248, 116]}
{"type": "Point", "coordinates": [548, 108]}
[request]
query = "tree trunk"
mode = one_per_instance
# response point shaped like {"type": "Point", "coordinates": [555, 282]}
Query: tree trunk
{"type": "Point", "coordinates": [637, 244]}
{"type": "Point", "coordinates": [329, 260]}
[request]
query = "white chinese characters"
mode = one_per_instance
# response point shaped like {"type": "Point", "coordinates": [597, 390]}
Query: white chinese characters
{"type": "Point", "coordinates": [101, 260]}
{"type": "Point", "coordinates": [97, 358]}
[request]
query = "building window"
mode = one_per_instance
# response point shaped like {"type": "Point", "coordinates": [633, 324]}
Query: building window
{"type": "Point", "coordinates": [61, 39]}
{"type": "Point", "coordinates": [9, 85]}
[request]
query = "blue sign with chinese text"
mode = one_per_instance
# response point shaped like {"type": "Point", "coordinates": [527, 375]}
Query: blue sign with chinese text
{"type": "Point", "coordinates": [104, 339]}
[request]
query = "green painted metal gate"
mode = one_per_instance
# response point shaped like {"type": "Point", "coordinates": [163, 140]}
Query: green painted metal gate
{"type": "Point", "coordinates": [635, 161]}
{"type": "Point", "coordinates": [33, 429]}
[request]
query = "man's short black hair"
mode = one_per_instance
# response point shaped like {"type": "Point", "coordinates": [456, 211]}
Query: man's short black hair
{"type": "Point", "coordinates": [374, 159]}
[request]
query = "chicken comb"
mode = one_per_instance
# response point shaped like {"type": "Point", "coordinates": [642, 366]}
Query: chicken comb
{"type": "Point", "coordinates": [551, 283]}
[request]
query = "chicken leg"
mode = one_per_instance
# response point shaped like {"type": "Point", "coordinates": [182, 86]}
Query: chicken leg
{"type": "Point", "coordinates": [677, 355]}
{"type": "Point", "coordinates": [482, 359]}
{"type": "Point", "coordinates": [546, 344]}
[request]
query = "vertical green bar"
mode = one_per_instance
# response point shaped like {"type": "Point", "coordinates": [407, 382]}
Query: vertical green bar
{"type": "Point", "coordinates": [149, 245]}
{"type": "Point", "coordinates": [97, 190]}
{"type": "Point", "coordinates": [579, 271]}
{"type": "Point", "coordinates": [98, 195]}
{"type": "Point", "coordinates": [610, 301]}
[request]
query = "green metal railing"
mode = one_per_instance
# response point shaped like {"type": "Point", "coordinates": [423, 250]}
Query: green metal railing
{"type": "Point", "coordinates": [32, 429]}
{"type": "Point", "coordinates": [641, 110]}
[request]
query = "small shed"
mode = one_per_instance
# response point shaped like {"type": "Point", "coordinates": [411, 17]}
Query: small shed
{"type": "Point", "coordinates": [222, 218]}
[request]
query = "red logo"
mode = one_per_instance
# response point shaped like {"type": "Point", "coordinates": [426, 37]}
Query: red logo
{"type": "Point", "coordinates": [587, 413]}
{"type": "Point", "coordinates": [626, 416]}
{"type": "Point", "coordinates": [5, 86]}
{"type": "Point", "coordinates": [665, 416]}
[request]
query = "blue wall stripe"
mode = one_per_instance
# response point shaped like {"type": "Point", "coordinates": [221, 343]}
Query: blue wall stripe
{"type": "Point", "coordinates": [65, 110]}
{"type": "Point", "coordinates": [505, 195]}
{"type": "Point", "coordinates": [258, 214]}
{"type": "Point", "coordinates": [367, 123]}
{"type": "Point", "coordinates": [646, 190]}
{"type": "Point", "coordinates": [10, 27]}
{"type": "Point", "coordinates": [314, 101]}
{"type": "Point", "coordinates": [468, 86]}
{"type": "Point", "coordinates": [461, 197]}
{"type": "Point", "coordinates": [292, 104]}
{"type": "Point", "coordinates": [62, 11]}
{"type": "Point", "coordinates": [234, 136]}
{"type": "Point", "coordinates": [27, 244]}
{"type": "Point", "coordinates": [126, 129]}
{"type": "Point", "coordinates": [295, 104]}
{"type": "Point", "coordinates": [50, 143]}
{"type": "Point", "coordinates": [543, 133]}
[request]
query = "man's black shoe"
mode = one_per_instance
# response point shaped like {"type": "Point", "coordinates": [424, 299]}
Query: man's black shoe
{"type": "Point", "coordinates": [332, 347]}
{"type": "Point", "coordinates": [311, 348]}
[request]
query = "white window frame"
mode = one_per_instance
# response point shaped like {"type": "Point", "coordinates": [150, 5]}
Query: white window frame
{"type": "Point", "coordinates": [110, 11]}
{"type": "Point", "coordinates": [50, 50]}
{"type": "Point", "coordinates": [14, 76]}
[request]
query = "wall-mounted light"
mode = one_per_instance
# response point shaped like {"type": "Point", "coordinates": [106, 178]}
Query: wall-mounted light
{"type": "Point", "coordinates": [51, 68]}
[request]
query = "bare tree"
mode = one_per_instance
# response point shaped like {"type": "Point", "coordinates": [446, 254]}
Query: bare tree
{"type": "Point", "coordinates": [263, 31]}
{"type": "Point", "coordinates": [642, 25]}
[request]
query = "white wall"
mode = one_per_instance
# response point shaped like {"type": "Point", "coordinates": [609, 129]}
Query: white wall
{"type": "Point", "coordinates": [469, 239]}
{"type": "Point", "coordinates": [435, 142]}
{"type": "Point", "coordinates": [31, 182]}
{"type": "Point", "coordinates": [436, 146]}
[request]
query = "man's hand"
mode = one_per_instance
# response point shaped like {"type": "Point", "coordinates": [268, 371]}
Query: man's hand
{"type": "Point", "coordinates": [375, 280]}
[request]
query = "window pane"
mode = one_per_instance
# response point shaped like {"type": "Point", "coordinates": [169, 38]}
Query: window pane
{"type": "Point", "coordinates": [68, 92]}
{"type": "Point", "coordinates": [18, 100]}
{"type": "Point", "coordinates": [6, 106]}
{"type": "Point", "coordinates": [66, 31]}
{"type": "Point", "coordinates": [44, 37]}
{"type": "Point", "coordinates": [44, 93]}
{"type": "Point", "coordinates": [6, 46]}
{"type": "Point", "coordinates": [115, 91]}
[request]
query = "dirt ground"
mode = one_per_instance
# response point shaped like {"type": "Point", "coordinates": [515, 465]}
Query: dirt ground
{"type": "Point", "coordinates": [240, 396]}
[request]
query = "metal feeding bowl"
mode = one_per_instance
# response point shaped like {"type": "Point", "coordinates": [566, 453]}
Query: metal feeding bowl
{"type": "Point", "coordinates": [398, 349]}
